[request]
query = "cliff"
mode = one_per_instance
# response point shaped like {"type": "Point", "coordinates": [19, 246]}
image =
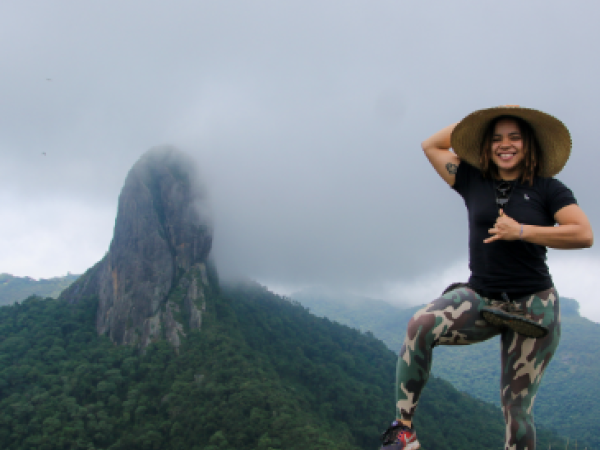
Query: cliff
{"type": "Point", "coordinates": [153, 281]}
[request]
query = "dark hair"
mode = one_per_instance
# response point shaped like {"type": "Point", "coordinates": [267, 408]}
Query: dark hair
{"type": "Point", "coordinates": [533, 155]}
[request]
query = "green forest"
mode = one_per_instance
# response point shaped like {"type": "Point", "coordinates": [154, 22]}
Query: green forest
{"type": "Point", "coordinates": [571, 384]}
{"type": "Point", "coordinates": [262, 373]}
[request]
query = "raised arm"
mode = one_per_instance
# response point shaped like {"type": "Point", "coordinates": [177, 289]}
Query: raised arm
{"type": "Point", "coordinates": [437, 150]}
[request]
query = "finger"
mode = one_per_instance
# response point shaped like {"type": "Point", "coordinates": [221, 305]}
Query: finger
{"type": "Point", "coordinates": [491, 239]}
{"type": "Point", "coordinates": [500, 212]}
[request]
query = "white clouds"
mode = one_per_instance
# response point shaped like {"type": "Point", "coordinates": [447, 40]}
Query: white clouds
{"type": "Point", "coordinates": [305, 117]}
{"type": "Point", "coordinates": [576, 275]}
{"type": "Point", "coordinates": [47, 239]}
{"type": "Point", "coordinates": [427, 287]}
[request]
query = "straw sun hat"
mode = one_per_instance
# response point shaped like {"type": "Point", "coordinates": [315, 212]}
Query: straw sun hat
{"type": "Point", "coordinates": [552, 135]}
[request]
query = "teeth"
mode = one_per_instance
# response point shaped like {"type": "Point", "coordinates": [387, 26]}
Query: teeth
{"type": "Point", "coordinates": [505, 156]}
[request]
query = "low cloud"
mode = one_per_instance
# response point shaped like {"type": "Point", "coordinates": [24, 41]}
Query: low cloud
{"type": "Point", "coordinates": [52, 238]}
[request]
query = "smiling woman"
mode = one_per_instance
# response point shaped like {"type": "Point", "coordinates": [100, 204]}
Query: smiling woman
{"type": "Point", "coordinates": [502, 167]}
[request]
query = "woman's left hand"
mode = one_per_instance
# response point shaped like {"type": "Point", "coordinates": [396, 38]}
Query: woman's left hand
{"type": "Point", "coordinates": [506, 229]}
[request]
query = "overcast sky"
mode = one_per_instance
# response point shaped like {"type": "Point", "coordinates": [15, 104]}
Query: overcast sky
{"type": "Point", "coordinates": [306, 118]}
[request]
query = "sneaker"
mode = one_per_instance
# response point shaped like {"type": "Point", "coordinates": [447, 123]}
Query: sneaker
{"type": "Point", "coordinates": [510, 315]}
{"type": "Point", "coordinates": [399, 437]}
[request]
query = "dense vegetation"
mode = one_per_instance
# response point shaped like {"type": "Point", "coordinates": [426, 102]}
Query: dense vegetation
{"type": "Point", "coordinates": [14, 288]}
{"type": "Point", "coordinates": [348, 377]}
{"type": "Point", "coordinates": [262, 373]}
{"type": "Point", "coordinates": [63, 387]}
{"type": "Point", "coordinates": [566, 401]}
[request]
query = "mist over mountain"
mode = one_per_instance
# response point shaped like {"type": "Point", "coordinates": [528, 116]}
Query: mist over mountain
{"type": "Point", "coordinates": [155, 271]}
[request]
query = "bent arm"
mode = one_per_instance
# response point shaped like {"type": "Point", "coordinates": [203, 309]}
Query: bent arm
{"type": "Point", "coordinates": [437, 150]}
{"type": "Point", "coordinates": [573, 230]}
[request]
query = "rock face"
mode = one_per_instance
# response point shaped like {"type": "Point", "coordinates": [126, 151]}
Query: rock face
{"type": "Point", "coordinates": [153, 281]}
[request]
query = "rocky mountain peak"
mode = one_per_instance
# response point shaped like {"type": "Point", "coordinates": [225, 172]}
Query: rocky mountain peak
{"type": "Point", "coordinates": [152, 282]}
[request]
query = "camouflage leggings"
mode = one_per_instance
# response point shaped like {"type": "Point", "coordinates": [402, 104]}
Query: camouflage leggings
{"type": "Point", "coordinates": [454, 319]}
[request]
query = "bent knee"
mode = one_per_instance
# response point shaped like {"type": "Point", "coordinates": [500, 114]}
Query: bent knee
{"type": "Point", "coordinates": [422, 321]}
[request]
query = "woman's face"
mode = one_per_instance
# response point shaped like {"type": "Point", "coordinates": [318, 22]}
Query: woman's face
{"type": "Point", "coordinates": [507, 149]}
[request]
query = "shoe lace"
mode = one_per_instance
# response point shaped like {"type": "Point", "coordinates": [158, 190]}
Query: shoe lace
{"type": "Point", "coordinates": [511, 308]}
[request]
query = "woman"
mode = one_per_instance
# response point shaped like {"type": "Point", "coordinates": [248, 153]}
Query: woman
{"type": "Point", "coordinates": [503, 163]}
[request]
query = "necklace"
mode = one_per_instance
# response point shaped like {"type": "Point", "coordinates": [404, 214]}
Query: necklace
{"type": "Point", "coordinates": [504, 190]}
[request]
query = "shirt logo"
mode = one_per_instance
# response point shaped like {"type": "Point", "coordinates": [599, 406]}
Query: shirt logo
{"type": "Point", "coordinates": [526, 197]}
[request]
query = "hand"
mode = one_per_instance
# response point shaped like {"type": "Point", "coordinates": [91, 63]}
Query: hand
{"type": "Point", "coordinates": [505, 229]}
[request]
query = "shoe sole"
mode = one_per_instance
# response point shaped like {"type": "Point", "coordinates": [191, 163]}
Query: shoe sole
{"type": "Point", "coordinates": [411, 446]}
{"type": "Point", "coordinates": [519, 324]}
{"type": "Point", "coordinates": [397, 445]}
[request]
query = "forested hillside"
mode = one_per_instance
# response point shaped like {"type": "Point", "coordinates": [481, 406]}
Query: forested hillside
{"type": "Point", "coordinates": [339, 366]}
{"type": "Point", "coordinates": [262, 373]}
{"type": "Point", "coordinates": [14, 289]}
{"type": "Point", "coordinates": [571, 384]}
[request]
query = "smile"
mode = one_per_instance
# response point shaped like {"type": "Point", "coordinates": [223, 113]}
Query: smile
{"type": "Point", "coordinates": [506, 156]}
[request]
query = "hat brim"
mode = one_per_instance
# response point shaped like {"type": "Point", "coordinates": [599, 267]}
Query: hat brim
{"type": "Point", "coordinates": [552, 136]}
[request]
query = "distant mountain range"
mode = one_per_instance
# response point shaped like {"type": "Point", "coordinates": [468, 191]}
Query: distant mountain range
{"type": "Point", "coordinates": [568, 397]}
{"type": "Point", "coordinates": [14, 289]}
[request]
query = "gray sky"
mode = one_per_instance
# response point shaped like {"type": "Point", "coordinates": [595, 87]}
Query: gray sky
{"type": "Point", "coordinates": [306, 118]}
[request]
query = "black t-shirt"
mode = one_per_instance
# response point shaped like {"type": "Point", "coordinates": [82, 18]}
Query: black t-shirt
{"type": "Point", "coordinates": [509, 266]}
